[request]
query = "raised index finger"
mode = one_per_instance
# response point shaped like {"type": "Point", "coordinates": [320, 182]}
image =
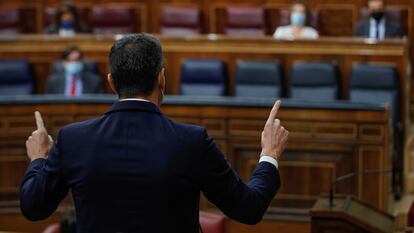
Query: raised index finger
{"type": "Point", "coordinates": [39, 121]}
{"type": "Point", "coordinates": [273, 112]}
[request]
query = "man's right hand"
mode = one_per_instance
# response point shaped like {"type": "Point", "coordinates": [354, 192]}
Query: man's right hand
{"type": "Point", "coordinates": [39, 144]}
{"type": "Point", "coordinates": [274, 135]}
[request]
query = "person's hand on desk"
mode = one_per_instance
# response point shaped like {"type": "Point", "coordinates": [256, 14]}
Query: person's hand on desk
{"type": "Point", "coordinates": [274, 135]}
{"type": "Point", "coordinates": [39, 144]}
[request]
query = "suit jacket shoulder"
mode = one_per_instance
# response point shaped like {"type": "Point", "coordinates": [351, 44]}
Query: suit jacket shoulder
{"type": "Point", "coordinates": [92, 83]}
{"type": "Point", "coordinates": [362, 28]}
{"type": "Point", "coordinates": [188, 133]}
{"type": "Point", "coordinates": [55, 84]}
{"type": "Point", "coordinates": [393, 29]}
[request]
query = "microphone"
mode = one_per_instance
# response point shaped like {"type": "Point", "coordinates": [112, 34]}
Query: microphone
{"type": "Point", "coordinates": [350, 175]}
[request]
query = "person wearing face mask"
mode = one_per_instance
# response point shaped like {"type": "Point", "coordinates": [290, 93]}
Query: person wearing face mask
{"type": "Point", "coordinates": [378, 25]}
{"type": "Point", "coordinates": [74, 80]}
{"type": "Point", "coordinates": [67, 22]}
{"type": "Point", "coordinates": [298, 28]}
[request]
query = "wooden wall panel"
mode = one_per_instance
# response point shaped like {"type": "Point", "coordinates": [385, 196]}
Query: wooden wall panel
{"type": "Point", "coordinates": [268, 226]}
{"type": "Point", "coordinates": [325, 144]}
{"type": "Point", "coordinates": [311, 164]}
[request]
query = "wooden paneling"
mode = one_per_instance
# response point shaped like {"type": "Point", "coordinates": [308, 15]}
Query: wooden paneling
{"type": "Point", "coordinates": [323, 144]}
{"type": "Point", "coordinates": [324, 151]}
{"type": "Point", "coordinates": [12, 220]}
{"type": "Point", "coordinates": [268, 226]}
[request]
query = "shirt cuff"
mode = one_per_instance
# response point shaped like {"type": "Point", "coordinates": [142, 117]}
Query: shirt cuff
{"type": "Point", "coordinates": [269, 160]}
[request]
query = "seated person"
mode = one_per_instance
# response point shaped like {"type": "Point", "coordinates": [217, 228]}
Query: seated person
{"type": "Point", "coordinates": [378, 25]}
{"type": "Point", "coordinates": [67, 22]}
{"type": "Point", "coordinates": [75, 80]}
{"type": "Point", "coordinates": [299, 23]}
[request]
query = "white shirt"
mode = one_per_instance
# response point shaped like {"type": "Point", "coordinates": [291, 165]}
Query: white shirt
{"type": "Point", "coordinates": [267, 159]}
{"type": "Point", "coordinates": [373, 27]}
{"type": "Point", "coordinates": [134, 99]}
{"type": "Point", "coordinates": [286, 32]}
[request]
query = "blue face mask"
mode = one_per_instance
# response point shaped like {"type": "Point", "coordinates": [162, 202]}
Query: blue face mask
{"type": "Point", "coordinates": [297, 18]}
{"type": "Point", "coordinates": [73, 67]}
{"type": "Point", "coordinates": [67, 25]}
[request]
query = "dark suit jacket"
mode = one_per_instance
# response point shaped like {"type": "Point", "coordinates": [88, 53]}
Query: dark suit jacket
{"type": "Point", "coordinates": [392, 29]}
{"type": "Point", "coordinates": [91, 83]}
{"type": "Point", "coordinates": [135, 170]}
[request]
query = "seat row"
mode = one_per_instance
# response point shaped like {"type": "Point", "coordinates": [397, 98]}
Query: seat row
{"type": "Point", "coordinates": [17, 76]}
{"type": "Point", "coordinates": [376, 84]}
{"type": "Point", "coordinates": [174, 20]}
{"type": "Point", "coordinates": [309, 81]}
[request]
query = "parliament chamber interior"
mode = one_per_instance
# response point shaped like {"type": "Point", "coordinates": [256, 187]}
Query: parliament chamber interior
{"type": "Point", "coordinates": [343, 74]}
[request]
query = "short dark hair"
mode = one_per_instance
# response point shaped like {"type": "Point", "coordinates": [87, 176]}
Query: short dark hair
{"type": "Point", "coordinates": [70, 50]}
{"type": "Point", "coordinates": [135, 62]}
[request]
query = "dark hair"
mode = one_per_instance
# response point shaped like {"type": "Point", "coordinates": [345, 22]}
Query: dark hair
{"type": "Point", "coordinates": [70, 50]}
{"type": "Point", "coordinates": [71, 9]}
{"type": "Point", "coordinates": [308, 14]}
{"type": "Point", "coordinates": [135, 62]}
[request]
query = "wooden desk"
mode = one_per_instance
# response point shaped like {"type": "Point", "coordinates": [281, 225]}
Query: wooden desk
{"type": "Point", "coordinates": [348, 214]}
{"type": "Point", "coordinates": [327, 140]}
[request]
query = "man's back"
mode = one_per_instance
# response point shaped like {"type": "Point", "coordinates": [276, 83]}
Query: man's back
{"type": "Point", "coordinates": [134, 170]}
{"type": "Point", "coordinates": [139, 164]}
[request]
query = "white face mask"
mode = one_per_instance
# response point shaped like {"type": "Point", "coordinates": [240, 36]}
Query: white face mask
{"type": "Point", "coordinates": [73, 67]}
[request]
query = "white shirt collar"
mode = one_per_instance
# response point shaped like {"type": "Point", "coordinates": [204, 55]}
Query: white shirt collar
{"type": "Point", "coordinates": [135, 99]}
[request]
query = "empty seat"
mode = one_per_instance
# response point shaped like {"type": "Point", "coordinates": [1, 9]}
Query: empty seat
{"type": "Point", "coordinates": [49, 16]}
{"type": "Point", "coordinates": [375, 84]}
{"type": "Point", "coordinates": [16, 78]}
{"type": "Point", "coordinates": [259, 79]}
{"type": "Point", "coordinates": [89, 65]}
{"type": "Point", "coordinates": [410, 216]}
{"type": "Point", "coordinates": [9, 21]}
{"type": "Point", "coordinates": [112, 20]}
{"type": "Point", "coordinates": [179, 21]}
{"type": "Point", "coordinates": [245, 21]}
{"type": "Point", "coordinates": [314, 82]}
{"type": "Point", "coordinates": [380, 84]}
{"type": "Point", "coordinates": [203, 77]}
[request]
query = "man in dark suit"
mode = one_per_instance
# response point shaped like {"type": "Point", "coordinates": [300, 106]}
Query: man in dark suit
{"type": "Point", "coordinates": [135, 170]}
{"type": "Point", "coordinates": [378, 25]}
{"type": "Point", "coordinates": [75, 80]}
